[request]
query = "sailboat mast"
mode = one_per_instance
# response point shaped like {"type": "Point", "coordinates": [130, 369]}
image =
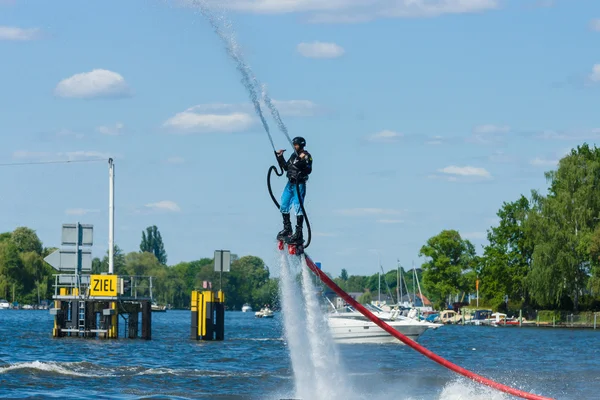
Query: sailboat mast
{"type": "Point", "coordinates": [398, 287]}
{"type": "Point", "coordinates": [414, 287]}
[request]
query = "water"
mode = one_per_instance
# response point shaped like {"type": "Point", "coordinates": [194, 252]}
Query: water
{"type": "Point", "coordinates": [292, 304]}
{"type": "Point", "coordinates": [254, 362]}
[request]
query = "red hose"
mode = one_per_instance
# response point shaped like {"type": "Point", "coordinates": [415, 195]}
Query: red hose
{"type": "Point", "coordinates": [428, 353]}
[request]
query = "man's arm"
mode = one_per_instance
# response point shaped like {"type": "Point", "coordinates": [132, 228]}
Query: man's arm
{"type": "Point", "coordinates": [281, 160]}
{"type": "Point", "coordinates": [304, 162]}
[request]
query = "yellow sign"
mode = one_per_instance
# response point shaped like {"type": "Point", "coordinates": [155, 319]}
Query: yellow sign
{"type": "Point", "coordinates": [103, 285]}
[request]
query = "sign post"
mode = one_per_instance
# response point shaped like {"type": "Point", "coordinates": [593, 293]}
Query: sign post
{"type": "Point", "coordinates": [222, 264]}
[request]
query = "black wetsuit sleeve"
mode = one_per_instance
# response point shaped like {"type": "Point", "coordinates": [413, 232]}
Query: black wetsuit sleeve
{"type": "Point", "coordinates": [305, 164]}
{"type": "Point", "coordinates": [282, 162]}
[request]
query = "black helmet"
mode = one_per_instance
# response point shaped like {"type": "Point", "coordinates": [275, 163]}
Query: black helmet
{"type": "Point", "coordinates": [299, 141]}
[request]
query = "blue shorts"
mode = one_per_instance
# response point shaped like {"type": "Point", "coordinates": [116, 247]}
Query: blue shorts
{"type": "Point", "coordinates": [289, 197]}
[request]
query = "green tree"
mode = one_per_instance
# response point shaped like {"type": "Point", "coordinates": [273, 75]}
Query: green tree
{"type": "Point", "coordinates": [563, 227]}
{"type": "Point", "coordinates": [365, 298]}
{"type": "Point", "coordinates": [26, 240]}
{"type": "Point", "coordinates": [450, 258]}
{"type": "Point", "coordinates": [508, 256]}
{"type": "Point", "coordinates": [152, 243]}
{"type": "Point", "coordinates": [344, 274]}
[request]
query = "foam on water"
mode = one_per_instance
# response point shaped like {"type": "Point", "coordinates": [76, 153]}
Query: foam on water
{"type": "Point", "coordinates": [331, 381]}
{"type": "Point", "coordinates": [294, 326]}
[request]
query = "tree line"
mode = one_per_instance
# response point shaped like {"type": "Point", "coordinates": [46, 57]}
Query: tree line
{"type": "Point", "coordinates": [544, 252]}
{"type": "Point", "coordinates": [26, 278]}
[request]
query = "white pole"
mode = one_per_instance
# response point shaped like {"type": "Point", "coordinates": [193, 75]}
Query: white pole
{"type": "Point", "coordinates": [111, 215]}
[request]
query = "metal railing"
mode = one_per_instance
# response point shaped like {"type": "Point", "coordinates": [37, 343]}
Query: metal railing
{"type": "Point", "coordinates": [128, 286]}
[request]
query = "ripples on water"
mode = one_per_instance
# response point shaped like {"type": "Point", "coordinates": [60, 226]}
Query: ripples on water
{"type": "Point", "coordinates": [253, 362]}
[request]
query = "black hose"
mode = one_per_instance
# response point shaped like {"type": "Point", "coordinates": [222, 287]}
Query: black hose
{"type": "Point", "coordinates": [305, 216]}
{"type": "Point", "coordinates": [300, 199]}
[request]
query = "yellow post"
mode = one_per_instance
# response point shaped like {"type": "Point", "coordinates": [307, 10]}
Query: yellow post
{"type": "Point", "coordinates": [201, 313]}
{"type": "Point", "coordinates": [113, 332]}
{"type": "Point", "coordinates": [194, 312]}
{"type": "Point", "coordinates": [221, 296]}
{"type": "Point", "coordinates": [75, 292]}
{"type": "Point", "coordinates": [208, 297]}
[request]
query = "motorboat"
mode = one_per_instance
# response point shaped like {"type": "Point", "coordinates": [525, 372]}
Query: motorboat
{"type": "Point", "coordinates": [246, 308]}
{"type": "Point", "coordinates": [156, 308]}
{"type": "Point", "coordinates": [264, 312]}
{"type": "Point", "coordinates": [450, 317]}
{"type": "Point", "coordinates": [350, 326]}
{"type": "Point", "coordinates": [4, 305]}
{"type": "Point", "coordinates": [480, 317]}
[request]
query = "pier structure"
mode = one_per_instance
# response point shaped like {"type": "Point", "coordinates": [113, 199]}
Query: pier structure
{"type": "Point", "coordinates": [94, 305]}
{"type": "Point", "coordinates": [91, 305]}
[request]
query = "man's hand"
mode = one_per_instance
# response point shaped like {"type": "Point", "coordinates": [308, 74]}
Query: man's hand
{"type": "Point", "coordinates": [303, 155]}
{"type": "Point", "coordinates": [280, 152]}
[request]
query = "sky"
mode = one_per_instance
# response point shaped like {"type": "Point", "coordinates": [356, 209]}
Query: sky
{"type": "Point", "coordinates": [420, 115]}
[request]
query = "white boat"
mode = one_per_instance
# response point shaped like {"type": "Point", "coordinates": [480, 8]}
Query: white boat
{"type": "Point", "coordinates": [156, 308]}
{"type": "Point", "coordinates": [4, 305]}
{"type": "Point", "coordinates": [246, 308]}
{"type": "Point", "coordinates": [265, 312]}
{"type": "Point", "coordinates": [352, 327]}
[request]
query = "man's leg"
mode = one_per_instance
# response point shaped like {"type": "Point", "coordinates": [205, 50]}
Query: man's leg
{"type": "Point", "coordinates": [286, 202]}
{"type": "Point", "coordinates": [297, 237]}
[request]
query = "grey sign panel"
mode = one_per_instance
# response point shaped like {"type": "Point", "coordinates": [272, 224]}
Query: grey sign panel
{"type": "Point", "coordinates": [66, 260]}
{"type": "Point", "coordinates": [222, 260]}
{"type": "Point", "coordinates": [69, 235]}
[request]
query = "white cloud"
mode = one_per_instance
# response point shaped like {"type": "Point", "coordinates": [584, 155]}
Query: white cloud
{"type": "Point", "coordinates": [164, 205]}
{"type": "Point", "coordinates": [595, 75]}
{"type": "Point", "coordinates": [358, 212]}
{"type": "Point", "coordinates": [390, 221]}
{"type": "Point", "coordinates": [474, 235]}
{"type": "Point", "coordinates": [435, 141]}
{"type": "Point", "coordinates": [466, 171]}
{"type": "Point", "coordinates": [348, 11]}
{"type": "Point", "coordinates": [175, 160]}
{"type": "Point", "coordinates": [595, 25]}
{"type": "Point", "coordinates": [500, 156]}
{"type": "Point", "coordinates": [111, 130]}
{"type": "Point", "coordinates": [18, 34]}
{"type": "Point", "coordinates": [544, 162]}
{"type": "Point", "coordinates": [320, 50]}
{"type": "Point", "coordinates": [191, 122]}
{"type": "Point", "coordinates": [68, 133]}
{"type": "Point", "coordinates": [589, 134]}
{"type": "Point", "coordinates": [80, 211]}
{"type": "Point", "coordinates": [228, 118]}
{"type": "Point", "coordinates": [98, 83]}
{"type": "Point", "coordinates": [490, 129]}
{"type": "Point", "coordinates": [296, 108]}
{"type": "Point", "coordinates": [41, 156]}
{"type": "Point", "coordinates": [385, 136]}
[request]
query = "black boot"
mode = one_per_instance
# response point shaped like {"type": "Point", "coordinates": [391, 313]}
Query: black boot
{"type": "Point", "coordinates": [297, 238]}
{"type": "Point", "coordinates": [287, 228]}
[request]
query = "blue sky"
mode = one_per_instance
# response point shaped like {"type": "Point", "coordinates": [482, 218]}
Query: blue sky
{"type": "Point", "coordinates": [421, 115]}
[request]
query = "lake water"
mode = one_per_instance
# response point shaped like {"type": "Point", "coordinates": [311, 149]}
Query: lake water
{"type": "Point", "coordinates": [253, 362]}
